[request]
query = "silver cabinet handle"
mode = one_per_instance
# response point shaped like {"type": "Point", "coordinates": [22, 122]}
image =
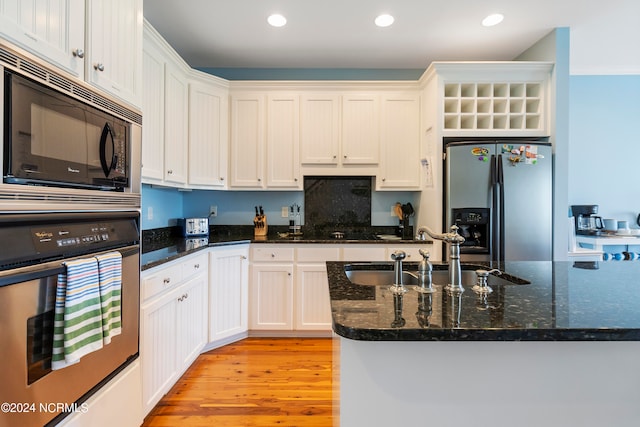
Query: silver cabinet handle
{"type": "Point", "coordinates": [196, 266]}
{"type": "Point", "coordinates": [243, 257]}
{"type": "Point", "coordinates": [78, 52]}
{"type": "Point", "coordinates": [167, 281]}
{"type": "Point", "coordinates": [169, 171]}
{"type": "Point", "coordinates": [99, 66]}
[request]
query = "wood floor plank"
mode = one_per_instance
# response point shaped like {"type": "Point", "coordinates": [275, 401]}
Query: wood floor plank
{"type": "Point", "coordinates": [256, 382]}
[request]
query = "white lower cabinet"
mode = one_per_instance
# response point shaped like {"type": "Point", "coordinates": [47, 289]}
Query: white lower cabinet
{"type": "Point", "coordinates": [228, 293]}
{"type": "Point", "coordinates": [289, 290]}
{"type": "Point", "coordinates": [271, 301]}
{"type": "Point", "coordinates": [173, 323]}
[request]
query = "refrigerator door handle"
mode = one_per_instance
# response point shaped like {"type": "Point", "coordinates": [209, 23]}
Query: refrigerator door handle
{"type": "Point", "coordinates": [501, 205]}
{"type": "Point", "coordinates": [495, 213]}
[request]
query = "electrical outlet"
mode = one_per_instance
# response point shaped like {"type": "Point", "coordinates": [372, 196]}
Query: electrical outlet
{"type": "Point", "coordinates": [284, 212]}
{"type": "Point", "coordinates": [150, 212]}
{"type": "Point", "coordinates": [213, 211]}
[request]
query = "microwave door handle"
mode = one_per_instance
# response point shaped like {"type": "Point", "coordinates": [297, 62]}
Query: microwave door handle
{"type": "Point", "coordinates": [107, 168]}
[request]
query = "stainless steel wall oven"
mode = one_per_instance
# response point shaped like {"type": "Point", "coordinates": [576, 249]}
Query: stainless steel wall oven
{"type": "Point", "coordinates": [35, 249]}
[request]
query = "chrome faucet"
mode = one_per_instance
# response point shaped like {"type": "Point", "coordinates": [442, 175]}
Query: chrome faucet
{"type": "Point", "coordinates": [453, 239]}
{"type": "Point", "coordinates": [398, 285]}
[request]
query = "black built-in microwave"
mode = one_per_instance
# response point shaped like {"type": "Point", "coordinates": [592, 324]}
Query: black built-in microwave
{"type": "Point", "coordinates": [52, 139]}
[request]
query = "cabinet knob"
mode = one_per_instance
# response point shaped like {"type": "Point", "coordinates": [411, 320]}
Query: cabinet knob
{"type": "Point", "coordinates": [99, 66]}
{"type": "Point", "coordinates": [169, 171]}
{"type": "Point", "coordinates": [384, 179]}
{"type": "Point", "coordinates": [335, 156]}
{"type": "Point", "coordinates": [259, 179]}
{"type": "Point", "coordinates": [221, 178]}
{"type": "Point", "coordinates": [167, 281]}
{"type": "Point", "coordinates": [345, 156]}
{"type": "Point", "coordinates": [78, 53]}
{"type": "Point", "coordinates": [273, 255]}
{"type": "Point", "coordinates": [243, 257]}
{"type": "Point", "coordinates": [196, 266]}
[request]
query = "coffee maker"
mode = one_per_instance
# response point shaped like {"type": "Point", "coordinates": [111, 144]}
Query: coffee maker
{"type": "Point", "coordinates": [587, 223]}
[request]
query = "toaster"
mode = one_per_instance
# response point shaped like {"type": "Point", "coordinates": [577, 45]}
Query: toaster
{"type": "Point", "coordinates": [194, 226]}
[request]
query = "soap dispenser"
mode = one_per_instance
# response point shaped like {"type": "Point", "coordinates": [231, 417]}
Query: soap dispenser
{"type": "Point", "coordinates": [425, 274]}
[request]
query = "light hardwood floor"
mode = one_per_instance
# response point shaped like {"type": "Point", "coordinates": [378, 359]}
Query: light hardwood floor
{"type": "Point", "coordinates": [256, 382]}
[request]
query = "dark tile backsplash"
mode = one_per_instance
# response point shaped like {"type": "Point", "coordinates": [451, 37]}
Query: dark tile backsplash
{"type": "Point", "coordinates": [337, 203]}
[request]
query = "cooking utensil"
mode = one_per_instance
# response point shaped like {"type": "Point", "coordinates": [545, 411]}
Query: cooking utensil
{"type": "Point", "coordinates": [397, 209]}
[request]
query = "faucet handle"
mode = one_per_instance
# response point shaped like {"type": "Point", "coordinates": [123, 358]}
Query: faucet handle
{"type": "Point", "coordinates": [398, 255]}
{"type": "Point", "coordinates": [425, 254]}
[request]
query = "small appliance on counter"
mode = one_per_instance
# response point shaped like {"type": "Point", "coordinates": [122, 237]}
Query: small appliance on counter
{"type": "Point", "coordinates": [194, 226]}
{"type": "Point", "coordinates": [587, 223]}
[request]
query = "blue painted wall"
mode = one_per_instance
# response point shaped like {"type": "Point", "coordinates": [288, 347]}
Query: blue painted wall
{"type": "Point", "coordinates": [604, 144]}
{"type": "Point", "coordinates": [237, 207]}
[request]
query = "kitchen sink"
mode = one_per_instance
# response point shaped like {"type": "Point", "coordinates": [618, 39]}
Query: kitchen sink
{"type": "Point", "coordinates": [369, 275]}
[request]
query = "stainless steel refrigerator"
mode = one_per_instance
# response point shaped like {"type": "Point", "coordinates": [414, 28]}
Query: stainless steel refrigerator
{"type": "Point", "coordinates": [499, 192]}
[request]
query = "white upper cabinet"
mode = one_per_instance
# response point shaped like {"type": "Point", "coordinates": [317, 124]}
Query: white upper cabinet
{"type": "Point", "coordinates": [492, 98]}
{"type": "Point", "coordinates": [153, 111]}
{"type": "Point", "coordinates": [283, 141]}
{"type": "Point", "coordinates": [176, 104]}
{"type": "Point", "coordinates": [104, 49]}
{"type": "Point", "coordinates": [360, 129]}
{"type": "Point", "coordinates": [319, 129]}
{"type": "Point", "coordinates": [52, 30]}
{"type": "Point", "coordinates": [247, 140]}
{"type": "Point", "coordinates": [400, 142]}
{"type": "Point", "coordinates": [208, 135]}
{"type": "Point", "coordinates": [114, 47]}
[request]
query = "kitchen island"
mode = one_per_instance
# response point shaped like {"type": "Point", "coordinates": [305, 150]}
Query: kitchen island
{"type": "Point", "coordinates": [562, 350]}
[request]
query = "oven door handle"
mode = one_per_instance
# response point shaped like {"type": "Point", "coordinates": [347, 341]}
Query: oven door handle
{"type": "Point", "coordinates": [106, 167]}
{"type": "Point", "coordinates": [52, 268]}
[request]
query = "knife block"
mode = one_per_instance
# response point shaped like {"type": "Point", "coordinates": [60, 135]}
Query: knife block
{"type": "Point", "coordinates": [260, 226]}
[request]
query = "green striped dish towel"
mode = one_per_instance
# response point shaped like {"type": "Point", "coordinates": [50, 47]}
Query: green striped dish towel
{"type": "Point", "coordinates": [110, 279]}
{"type": "Point", "coordinates": [77, 326]}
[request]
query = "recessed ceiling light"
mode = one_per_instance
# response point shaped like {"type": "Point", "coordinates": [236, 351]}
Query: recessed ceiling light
{"type": "Point", "coordinates": [276, 20]}
{"type": "Point", "coordinates": [384, 20]}
{"type": "Point", "coordinates": [492, 20]}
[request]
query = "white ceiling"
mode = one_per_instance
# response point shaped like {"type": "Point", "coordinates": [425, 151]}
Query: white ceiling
{"type": "Point", "coordinates": [341, 33]}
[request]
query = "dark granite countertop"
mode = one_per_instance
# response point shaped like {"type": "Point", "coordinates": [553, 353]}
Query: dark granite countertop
{"type": "Point", "coordinates": [164, 245]}
{"type": "Point", "coordinates": [564, 301]}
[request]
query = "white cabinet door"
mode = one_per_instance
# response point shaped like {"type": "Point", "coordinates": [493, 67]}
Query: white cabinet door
{"type": "Point", "coordinates": [228, 292]}
{"type": "Point", "coordinates": [158, 348]}
{"type": "Point", "coordinates": [153, 113]}
{"type": "Point", "coordinates": [247, 141]}
{"type": "Point", "coordinates": [283, 141]}
{"type": "Point", "coordinates": [313, 306]}
{"type": "Point", "coordinates": [175, 125]}
{"type": "Point", "coordinates": [400, 142]}
{"type": "Point", "coordinates": [360, 129]}
{"type": "Point", "coordinates": [114, 47]}
{"type": "Point", "coordinates": [53, 30]}
{"type": "Point", "coordinates": [191, 316]}
{"type": "Point", "coordinates": [319, 129]}
{"type": "Point", "coordinates": [208, 133]}
{"type": "Point", "coordinates": [271, 297]}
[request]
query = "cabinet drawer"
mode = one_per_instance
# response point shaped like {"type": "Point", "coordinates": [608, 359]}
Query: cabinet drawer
{"type": "Point", "coordinates": [318, 253]}
{"type": "Point", "coordinates": [364, 253]}
{"type": "Point", "coordinates": [272, 253]}
{"type": "Point", "coordinates": [160, 281]}
{"type": "Point", "coordinates": [194, 265]}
